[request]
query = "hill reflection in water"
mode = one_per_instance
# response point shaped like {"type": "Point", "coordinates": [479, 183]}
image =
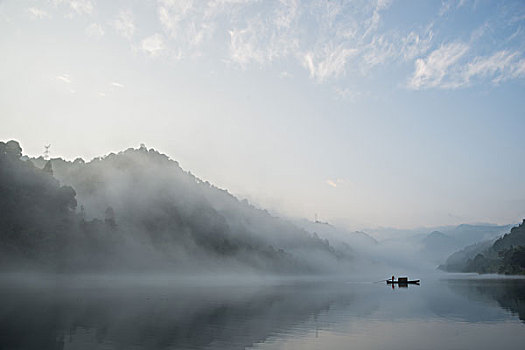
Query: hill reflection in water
{"type": "Point", "coordinates": [508, 293]}
{"type": "Point", "coordinates": [94, 312]}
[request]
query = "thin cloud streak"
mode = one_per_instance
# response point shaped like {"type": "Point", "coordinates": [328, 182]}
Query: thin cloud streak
{"type": "Point", "coordinates": [432, 70]}
{"type": "Point", "coordinates": [124, 24]}
{"type": "Point", "coordinates": [331, 183]}
{"type": "Point", "coordinates": [95, 30]}
{"type": "Point", "coordinates": [331, 41]}
{"type": "Point", "coordinates": [65, 78]}
{"type": "Point", "coordinates": [80, 7]}
{"type": "Point", "coordinates": [153, 45]}
{"type": "Point", "coordinates": [36, 13]}
{"type": "Point", "coordinates": [448, 67]}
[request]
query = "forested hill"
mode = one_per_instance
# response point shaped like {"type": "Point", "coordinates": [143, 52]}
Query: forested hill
{"type": "Point", "coordinates": [37, 215]}
{"type": "Point", "coordinates": [504, 255]}
{"type": "Point", "coordinates": [138, 210]}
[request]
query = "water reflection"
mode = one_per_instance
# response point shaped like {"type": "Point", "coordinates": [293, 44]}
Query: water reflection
{"type": "Point", "coordinates": [403, 285]}
{"type": "Point", "coordinates": [508, 293]}
{"type": "Point", "coordinates": [116, 313]}
{"type": "Point", "coordinates": [155, 316]}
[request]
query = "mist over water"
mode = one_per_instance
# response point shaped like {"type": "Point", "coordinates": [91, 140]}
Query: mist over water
{"type": "Point", "coordinates": [163, 312]}
{"type": "Point", "coordinates": [131, 251]}
{"type": "Point", "coordinates": [272, 175]}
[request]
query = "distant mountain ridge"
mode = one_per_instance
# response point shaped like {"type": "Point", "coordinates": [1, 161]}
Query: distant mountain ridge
{"type": "Point", "coordinates": [438, 245]}
{"type": "Point", "coordinates": [468, 233]}
{"type": "Point", "coordinates": [433, 245]}
{"type": "Point", "coordinates": [334, 233]}
{"type": "Point", "coordinates": [503, 255]}
{"type": "Point", "coordinates": [160, 214]}
{"type": "Point", "coordinates": [138, 209]}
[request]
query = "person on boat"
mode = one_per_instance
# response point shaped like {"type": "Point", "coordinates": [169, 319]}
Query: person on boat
{"type": "Point", "coordinates": [392, 278]}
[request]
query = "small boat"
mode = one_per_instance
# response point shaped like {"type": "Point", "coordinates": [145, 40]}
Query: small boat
{"type": "Point", "coordinates": [402, 280]}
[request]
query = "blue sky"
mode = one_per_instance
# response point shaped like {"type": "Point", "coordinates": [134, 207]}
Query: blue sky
{"type": "Point", "coordinates": [368, 113]}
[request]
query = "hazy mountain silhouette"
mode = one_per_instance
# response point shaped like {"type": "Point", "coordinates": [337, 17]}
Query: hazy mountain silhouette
{"type": "Point", "coordinates": [503, 255]}
{"type": "Point", "coordinates": [139, 209]}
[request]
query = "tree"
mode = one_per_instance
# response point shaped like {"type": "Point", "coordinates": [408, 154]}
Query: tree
{"type": "Point", "coordinates": [10, 150]}
{"type": "Point", "coordinates": [110, 217]}
{"type": "Point", "coordinates": [48, 168]}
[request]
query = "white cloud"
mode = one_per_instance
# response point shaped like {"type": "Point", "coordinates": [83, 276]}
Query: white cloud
{"type": "Point", "coordinates": [373, 22]}
{"type": "Point", "coordinates": [124, 24]}
{"type": "Point", "coordinates": [81, 6]}
{"type": "Point", "coordinates": [189, 23]}
{"type": "Point", "coordinates": [287, 13]}
{"type": "Point", "coordinates": [153, 45]}
{"type": "Point", "coordinates": [519, 69]}
{"type": "Point", "coordinates": [285, 75]}
{"type": "Point", "coordinates": [244, 46]}
{"type": "Point", "coordinates": [36, 13]}
{"type": "Point", "coordinates": [500, 66]}
{"type": "Point", "coordinates": [331, 183]}
{"type": "Point", "coordinates": [263, 40]}
{"type": "Point", "coordinates": [449, 5]}
{"type": "Point", "coordinates": [415, 44]}
{"type": "Point", "coordinates": [345, 34]}
{"type": "Point", "coordinates": [65, 78]}
{"type": "Point", "coordinates": [78, 6]}
{"type": "Point", "coordinates": [321, 35]}
{"type": "Point", "coordinates": [329, 39]}
{"type": "Point", "coordinates": [328, 63]}
{"type": "Point", "coordinates": [445, 7]}
{"type": "Point", "coordinates": [94, 30]}
{"type": "Point", "coordinates": [392, 48]}
{"type": "Point", "coordinates": [171, 12]}
{"type": "Point", "coordinates": [348, 94]}
{"type": "Point", "coordinates": [378, 51]}
{"type": "Point", "coordinates": [113, 86]}
{"type": "Point", "coordinates": [432, 70]}
{"type": "Point", "coordinates": [337, 182]}
{"type": "Point", "coordinates": [447, 68]}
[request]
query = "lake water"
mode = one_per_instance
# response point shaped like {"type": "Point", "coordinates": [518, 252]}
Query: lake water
{"type": "Point", "coordinates": [155, 312]}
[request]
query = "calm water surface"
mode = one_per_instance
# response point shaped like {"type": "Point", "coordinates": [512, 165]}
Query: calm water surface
{"type": "Point", "coordinates": [101, 312]}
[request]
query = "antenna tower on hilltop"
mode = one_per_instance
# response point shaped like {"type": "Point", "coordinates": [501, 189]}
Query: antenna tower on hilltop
{"type": "Point", "coordinates": [46, 151]}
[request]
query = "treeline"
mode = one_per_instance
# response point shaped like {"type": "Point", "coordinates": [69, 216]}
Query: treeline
{"type": "Point", "coordinates": [139, 210]}
{"type": "Point", "coordinates": [505, 255]}
{"type": "Point", "coordinates": [39, 225]}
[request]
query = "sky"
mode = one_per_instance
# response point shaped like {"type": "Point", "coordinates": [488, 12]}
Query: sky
{"type": "Point", "coordinates": [367, 113]}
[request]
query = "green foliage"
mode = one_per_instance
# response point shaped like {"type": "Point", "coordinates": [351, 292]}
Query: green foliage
{"type": "Point", "coordinates": [38, 225]}
{"type": "Point", "coordinates": [482, 264]}
{"type": "Point", "coordinates": [506, 255]}
{"type": "Point", "coordinates": [139, 209]}
{"type": "Point", "coordinates": [513, 261]}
